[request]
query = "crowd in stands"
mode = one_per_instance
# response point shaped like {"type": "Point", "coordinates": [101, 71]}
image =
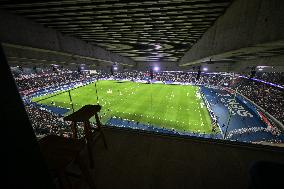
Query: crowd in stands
{"type": "Point", "coordinates": [45, 122]}
{"type": "Point", "coordinates": [180, 77]}
{"type": "Point", "coordinates": [272, 77]}
{"type": "Point", "coordinates": [32, 82]}
{"type": "Point", "coordinates": [125, 75]}
{"type": "Point", "coordinates": [29, 83]}
{"type": "Point", "coordinates": [251, 130]}
{"type": "Point", "coordinates": [268, 97]}
{"type": "Point", "coordinates": [221, 80]}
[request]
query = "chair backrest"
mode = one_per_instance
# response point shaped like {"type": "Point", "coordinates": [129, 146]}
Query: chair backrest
{"type": "Point", "coordinates": [83, 115]}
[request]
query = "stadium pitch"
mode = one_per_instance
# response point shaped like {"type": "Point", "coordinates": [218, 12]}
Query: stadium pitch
{"type": "Point", "coordinates": [178, 107]}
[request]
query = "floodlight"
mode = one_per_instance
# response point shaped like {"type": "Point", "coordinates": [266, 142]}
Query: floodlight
{"type": "Point", "coordinates": [156, 68]}
{"type": "Point", "coordinates": [205, 69]}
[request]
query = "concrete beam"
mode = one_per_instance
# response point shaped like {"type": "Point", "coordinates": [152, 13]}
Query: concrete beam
{"type": "Point", "coordinates": [244, 25]}
{"type": "Point", "coordinates": [27, 56]}
{"type": "Point", "coordinates": [271, 64]}
{"type": "Point", "coordinates": [16, 30]}
{"type": "Point", "coordinates": [268, 64]}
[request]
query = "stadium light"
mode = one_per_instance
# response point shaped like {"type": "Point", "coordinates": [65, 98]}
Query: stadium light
{"type": "Point", "coordinates": [156, 68]}
{"type": "Point", "coordinates": [205, 69]}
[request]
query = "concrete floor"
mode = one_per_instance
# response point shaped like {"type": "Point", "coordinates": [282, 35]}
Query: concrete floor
{"type": "Point", "coordinates": [143, 160]}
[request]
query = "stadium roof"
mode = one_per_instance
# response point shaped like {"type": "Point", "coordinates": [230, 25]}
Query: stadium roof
{"type": "Point", "coordinates": [144, 30]}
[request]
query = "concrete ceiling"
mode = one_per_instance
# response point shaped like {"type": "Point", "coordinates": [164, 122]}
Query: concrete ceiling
{"type": "Point", "coordinates": [144, 30]}
{"type": "Point", "coordinates": [249, 33]}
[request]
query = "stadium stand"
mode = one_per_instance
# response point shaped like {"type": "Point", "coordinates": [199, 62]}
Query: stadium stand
{"type": "Point", "coordinates": [272, 77]}
{"type": "Point", "coordinates": [52, 124]}
{"type": "Point", "coordinates": [268, 97]}
{"type": "Point", "coordinates": [29, 83]}
{"type": "Point", "coordinates": [254, 90]}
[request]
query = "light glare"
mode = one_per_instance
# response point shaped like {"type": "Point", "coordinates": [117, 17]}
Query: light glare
{"type": "Point", "coordinates": [156, 68]}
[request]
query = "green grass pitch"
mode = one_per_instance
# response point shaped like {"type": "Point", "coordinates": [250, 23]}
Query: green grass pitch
{"type": "Point", "coordinates": [169, 106]}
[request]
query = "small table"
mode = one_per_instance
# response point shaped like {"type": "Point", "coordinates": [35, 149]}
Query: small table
{"type": "Point", "coordinates": [83, 115]}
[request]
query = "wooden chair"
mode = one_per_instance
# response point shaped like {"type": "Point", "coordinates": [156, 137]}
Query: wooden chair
{"type": "Point", "coordinates": [59, 152]}
{"type": "Point", "coordinates": [83, 115]}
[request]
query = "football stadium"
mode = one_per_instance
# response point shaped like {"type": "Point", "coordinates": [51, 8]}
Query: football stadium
{"type": "Point", "coordinates": [143, 94]}
{"type": "Point", "coordinates": [166, 105]}
{"type": "Point", "coordinates": [170, 102]}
